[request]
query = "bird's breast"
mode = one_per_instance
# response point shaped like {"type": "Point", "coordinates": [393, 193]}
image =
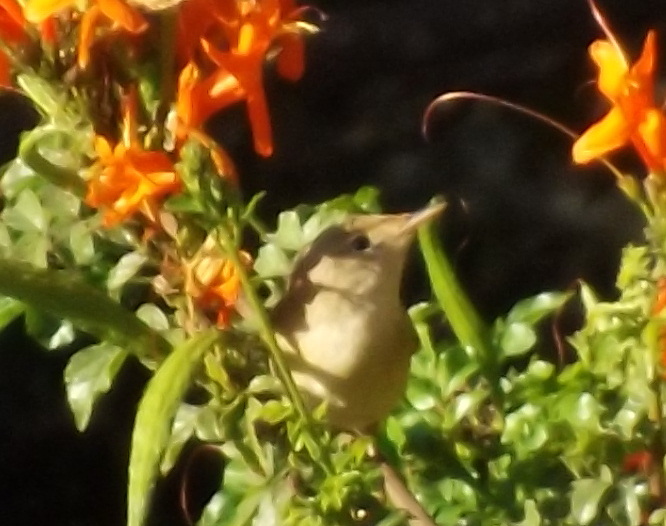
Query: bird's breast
{"type": "Point", "coordinates": [355, 356]}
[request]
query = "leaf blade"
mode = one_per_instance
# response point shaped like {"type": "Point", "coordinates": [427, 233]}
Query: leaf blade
{"type": "Point", "coordinates": [153, 420]}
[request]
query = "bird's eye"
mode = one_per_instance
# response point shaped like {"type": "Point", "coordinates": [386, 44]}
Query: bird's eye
{"type": "Point", "coordinates": [360, 243]}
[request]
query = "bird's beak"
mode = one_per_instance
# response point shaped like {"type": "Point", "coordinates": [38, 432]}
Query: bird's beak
{"type": "Point", "coordinates": [421, 217]}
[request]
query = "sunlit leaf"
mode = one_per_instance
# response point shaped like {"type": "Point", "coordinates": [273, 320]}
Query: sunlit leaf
{"type": "Point", "coordinates": [272, 262]}
{"type": "Point", "coordinates": [517, 338]}
{"type": "Point", "coordinates": [532, 516]}
{"type": "Point", "coordinates": [81, 243]}
{"type": "Point", "coordinates": [27, 214]}
{"type": "Point", "coordinates": [533, 309]}
{"type": "Point", "coordinates": [586, 499]}
{"type": "Point", "coordinates": [89, 374]}
{"type": "Point", "coordinates": [126, 268]}
{"type": "Point", "coordinates": [289, 233]}
{"type": "Point", "coordinates": [51, 332]}
{"type": "Point", "coordinates": [10, 309]}
{"type": "Point", "coordinates": [153, 316]}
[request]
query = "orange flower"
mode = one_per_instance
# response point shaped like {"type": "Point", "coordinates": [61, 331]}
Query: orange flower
{"type": "Point", "coordinates": [12, 31]}
{"type": "Point", "coordinates": [633, 116]}
{"type": "Point", "coordinates": [250, 30]}
{"type": "Point", "coordinates": [637, 461]}
{"type": "Point", "coordinates": [127, 177]}
{"type": "Point", "coordinates": [117, 11]}
{"type": "Point", "coordinates": [212, 281]}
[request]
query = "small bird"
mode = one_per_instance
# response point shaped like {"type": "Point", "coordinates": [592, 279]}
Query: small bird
{"type": "Point", "coordinates": [347, 336]}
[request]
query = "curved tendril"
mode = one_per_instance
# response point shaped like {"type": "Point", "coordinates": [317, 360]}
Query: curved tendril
{"type": "Point", "coordinates": [471, 95]}
{"type": "Point", "coordinates": [601, 20]}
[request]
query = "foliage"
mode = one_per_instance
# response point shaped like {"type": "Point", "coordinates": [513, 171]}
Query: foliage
{"type": "Point", "coordinates": [122, 221]}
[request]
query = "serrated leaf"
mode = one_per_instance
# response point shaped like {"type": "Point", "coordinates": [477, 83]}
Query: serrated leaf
{"type": "Point", "coordinates": [289, 234]}
{"type": "Point", "coordinates": [153, 420]}
{"type": "Point", "coordinates": [90, 373]}
{"type": "Point", "coordinates": [272, 262]}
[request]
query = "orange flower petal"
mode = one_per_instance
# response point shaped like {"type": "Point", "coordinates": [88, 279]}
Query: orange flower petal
{"type": "Point", "coordinates": [12, 22]}
{"type": "Point", "coordinates": [87, 35]}
{"type": "Point", "coordinates": [5, 76]}
{"type": "Point", "coordinates": [612, 65]}
{"type": "Point", "coordinates": [38, 10]}
{"type": "Point", "coordinates": [652, 146]}
{"type": "Point", "coordinates": [290, 61]}
{"type": "Point", "coordinates": [260, 122]}
{"type": "Point", "coordinates": [48, 31]}
{"type": "Point", "coordinates": [644, 67]}
{"type": "Point", "coordinates": [14, 10]}
{"type": "Point", "coordinates": [123, 15]}
{"type": "Point", "coordinates": [608, 134]}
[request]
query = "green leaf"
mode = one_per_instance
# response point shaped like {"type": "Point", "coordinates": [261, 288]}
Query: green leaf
{"type": "Point", "coordinates": [126, 268]}
{"type": "Point", "coordinates": [56, 153]}
{"type": "Point", "coordinates": [272, 262]}
{"type": "Point", "coordinates": [81, 243]}
{"type": "Point", "coordinates": [153, 316]}
{"type": "Point", "coordinates": [182, 429]}
{"type": "Point", "coordinates": [462, 316]}
{"type": "Point", "coordinates": [10, 309]}
{"type": "Point", "coordinates": [532, 310]}
{"type": "Point", "coordinates": [156, 411]}
{"type": "Point", "coordinates": [289, 234]}
{"type": "Point", "coordinates": [366, 199]}
{"type": "Point", "coordinates": [16, 178]}
{"type": "Point", "coordinates": [586, 499]}
{"type": "Point", "coordinates": [516, 339]}
{"type": "Point", "coordinates": [32, 248]}
{"type": "Point", "coordinates": [51, 332]}
{"type": "Point", "coordinates": [64, 295]}
{"type": "Point", "coordinates": [532, 516]}
{"type": "Point", "coordinates": [27, 214]}
{"type": "Point", "coordinates": [89, 374]}
{"type": "Point", "coordinates": [42, 93]}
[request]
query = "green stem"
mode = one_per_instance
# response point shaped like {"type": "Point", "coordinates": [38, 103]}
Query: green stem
{"type": "Point", "coordinates": [29, 152]}
{"type": "Point", "coordinates": [265, 329]}
{"type": "Point", "coordinates": [467, 325]}
{"type": "Point", "coordinates": [65, 295]}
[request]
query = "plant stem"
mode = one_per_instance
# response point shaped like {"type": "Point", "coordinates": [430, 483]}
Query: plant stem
{"type": "Point", "coordinates": [265, 329]}
{"type": "Point", "coordinates": [465, 322]}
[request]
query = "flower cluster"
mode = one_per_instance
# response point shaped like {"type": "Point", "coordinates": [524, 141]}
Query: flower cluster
{"type": "Point", "coordinates": [143, 79]}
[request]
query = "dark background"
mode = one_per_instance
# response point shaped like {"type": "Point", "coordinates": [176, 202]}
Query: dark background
{"type": "Point", "coordinates": [522, 218]}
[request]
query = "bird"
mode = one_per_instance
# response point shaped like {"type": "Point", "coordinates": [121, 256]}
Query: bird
{"type": "Point", "coordinates": [347, 337]}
